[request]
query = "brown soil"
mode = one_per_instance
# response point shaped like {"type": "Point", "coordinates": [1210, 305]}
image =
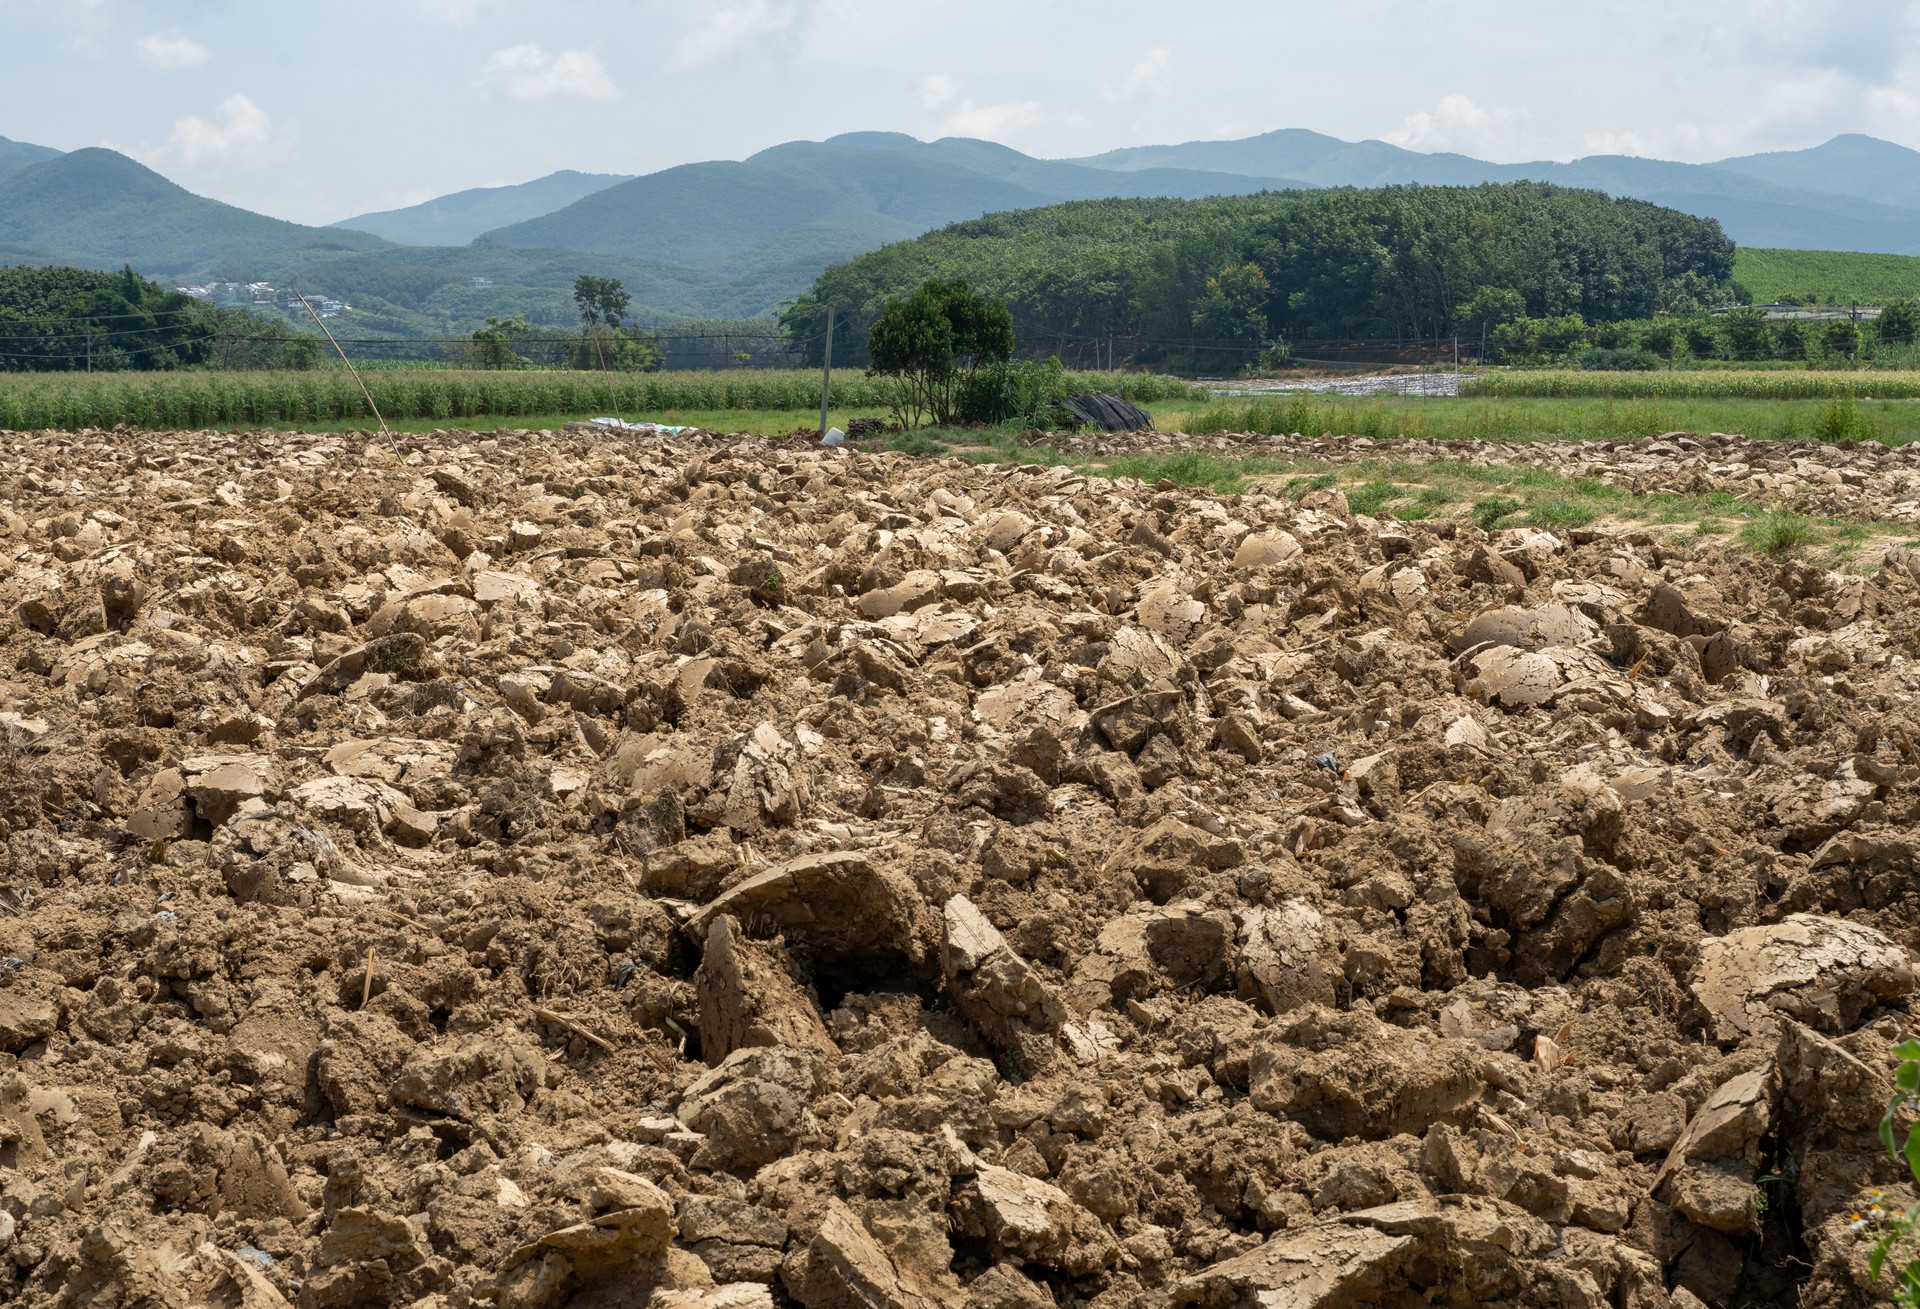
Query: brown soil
{"type": "Point", "coordinates": [553, 870]}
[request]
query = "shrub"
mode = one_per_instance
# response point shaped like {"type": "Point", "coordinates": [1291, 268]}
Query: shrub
{"type": "Point", "coordinates": [1843, 421]}
{"type": "Point", "coordinates": [1600, 359]}
{"type": "Point", "coordinates": [1026, 391]}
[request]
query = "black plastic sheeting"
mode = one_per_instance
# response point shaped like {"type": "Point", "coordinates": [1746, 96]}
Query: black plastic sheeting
{"type": "Point", "coordinates": [1109, 413]}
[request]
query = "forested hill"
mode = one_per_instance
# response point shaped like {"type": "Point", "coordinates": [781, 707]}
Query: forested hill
{"type": "Point", "coordinates": [1235, 271]}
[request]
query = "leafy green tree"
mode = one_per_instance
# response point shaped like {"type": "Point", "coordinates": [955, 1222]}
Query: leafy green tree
{"type": "Point", "coordinates": [604, 343]}
{"type": "Point", "coordinates": [1841, 339]}
{"type": "Point", "coordinates": [493, 345]}
{"type": "Point", "coordinates": [1702, 341]}
{"type": "Point", "coordinates": [1899, 319]}
{"type": "Point", "coordinates": [1526, 340]}
{"type": "Point", "coordinates": [1747, 333]}
{"type": "Point", "coordinates": [932, 341]}
{"type": "Point", "coordinates": [602, 300]}
{"type": "Point", "coordinates": [300, 353]}
{"type": "Point", "coordinates": [1232, 309]}
{"type": "Point", "coordinates": [1489, 307]}
{"type": "Point", "coordinates": [615, 349]}
{"type": "Point", "coordinates": [1662, 338]}
{"type": "Point", "coordinates": [1789, 340]}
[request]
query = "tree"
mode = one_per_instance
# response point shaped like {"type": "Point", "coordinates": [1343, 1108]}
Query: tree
{"type": "Point", "coordinates": [1841, 338]}
{"type": "Point", "coordinates": [1702, 341]}
{"type": "Point", "coordinates": [932, 341]}
{"type": "Point", "coordinates": [1489, 307]}
{"type": "Point", "coordinates": [1899, 319]}
{"type": "Point", "coordinates": [623, 349]}
{"type": "Point", "coordinates": [300, 352]}
{"type": "Point", "coordinates": [1662, 338]}
{"type": "Point", "coordinates": [602, 300]}
{"type": "Point", "coordinates": [1231, 311]}
{"type": "Point", "coordinates": [1747, 332]}
{"type": "Point", "coordinates": [603, 343]}
{"type": "Point", "coordinates": [1538, 338]}
{"type": "Point", "coordinates": [493, 344]}
{"type": "Point", "coordinates": [1789, 340]}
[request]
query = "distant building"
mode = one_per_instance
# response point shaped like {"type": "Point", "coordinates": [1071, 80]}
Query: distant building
{"type": "Point", "coordinates": [479, 283]}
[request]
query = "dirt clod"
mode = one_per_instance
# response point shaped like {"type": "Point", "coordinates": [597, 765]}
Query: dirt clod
{"type": "Point", "coordinates": [544, 870]}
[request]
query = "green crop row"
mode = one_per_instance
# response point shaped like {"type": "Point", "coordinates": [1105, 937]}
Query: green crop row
{"type": "Point", "coordinates": [188, 400]}
{"type": "Point", "coordinates": [1716, 384]}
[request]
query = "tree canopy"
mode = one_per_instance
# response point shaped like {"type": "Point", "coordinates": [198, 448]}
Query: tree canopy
{"type": "Point", "coordinates": [1182, 276]}
{"type": "Point", "coordinates": [933, 340]}
{"type": "Point", "coordinates": [69, 319]}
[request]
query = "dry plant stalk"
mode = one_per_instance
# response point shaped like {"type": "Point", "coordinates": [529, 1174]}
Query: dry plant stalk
{"type": "Point", "coordinates": [559, 1019]}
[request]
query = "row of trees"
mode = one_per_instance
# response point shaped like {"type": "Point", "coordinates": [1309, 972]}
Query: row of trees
{"type": "Point", "coordinates": [1742, 333]}
{"type": "Point", "coordinates": [1217, 281]}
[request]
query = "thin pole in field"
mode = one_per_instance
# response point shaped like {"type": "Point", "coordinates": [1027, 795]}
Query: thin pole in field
{"type": "Point", "coordinates": [384, 430]}
{"type": "Point", "coordinates": [826, 373]}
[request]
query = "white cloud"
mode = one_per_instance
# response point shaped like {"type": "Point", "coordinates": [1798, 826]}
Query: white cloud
{"type": "Point", "coordinates": [994, 121]}
{"type": "Point", "coordinates": [732, 26]}
{"type": "Point", "coordinates": [1153, 75]}
{"type": "Point", "coordinates": [936, 90]}
{"type": "Point", "coordinates": [241, 133]}
{"type": "Point", "coordinates": [169, 52]}
{"type": "Point", "coordinates": [527, 72]}
{"type": "Point", "coordinates": [1458, 124]}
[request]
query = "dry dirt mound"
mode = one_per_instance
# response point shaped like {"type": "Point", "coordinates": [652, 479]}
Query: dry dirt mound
{"type": "Point", "coordinates": [547, 871]}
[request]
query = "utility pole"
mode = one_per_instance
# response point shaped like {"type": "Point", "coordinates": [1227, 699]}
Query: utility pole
{"type": "Point", "coordinates": [826, 373]}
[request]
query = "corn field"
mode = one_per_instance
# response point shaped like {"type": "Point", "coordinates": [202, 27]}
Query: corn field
{"type": "Point", "coordinates": [158, 402]}
{"type": "Point", "coordinates": [1796, 384]}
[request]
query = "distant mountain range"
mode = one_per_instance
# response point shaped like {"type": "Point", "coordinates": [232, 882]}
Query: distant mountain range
{"type": "Point", "coordinates": [730, 238]}
{"type": "Point", "coordinates": [458, 218]}
{"type": "Point", "coordinates": [1787, 200]}
{"type": "Point", "coordinates": [15, 155]}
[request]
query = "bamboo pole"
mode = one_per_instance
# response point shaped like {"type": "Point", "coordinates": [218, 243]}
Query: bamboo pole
{"type": "Point", "coordinates": [384, 430]}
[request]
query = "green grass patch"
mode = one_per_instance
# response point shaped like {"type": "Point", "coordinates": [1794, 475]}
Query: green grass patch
{"type": "Point", "coordinates": [1371, 497]}
{"type": "Point", "coordinates": [1184, 468]}
{"type": "Point", "coordinates": [1559, 513]}
{"type": "Point", "coordinates": [1489, 513]}
{"type": "Point", "coordinates": [1718, 384]}
{"type": "Point", "coordinates": [1577, 417]}
{"type": "Point", "coordinates": [1780, 532]}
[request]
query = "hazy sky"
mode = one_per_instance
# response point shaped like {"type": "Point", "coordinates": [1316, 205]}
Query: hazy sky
{"type": "Point", "coordinates": [316, 111]}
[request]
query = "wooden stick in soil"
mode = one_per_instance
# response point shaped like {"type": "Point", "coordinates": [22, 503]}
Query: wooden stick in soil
{"type": "Point", "coordinates": [559, 1019]}
{"type": "Point", "coordinates": [366, 984]}
{"type": "Point", "coordinates": [352, 370]}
